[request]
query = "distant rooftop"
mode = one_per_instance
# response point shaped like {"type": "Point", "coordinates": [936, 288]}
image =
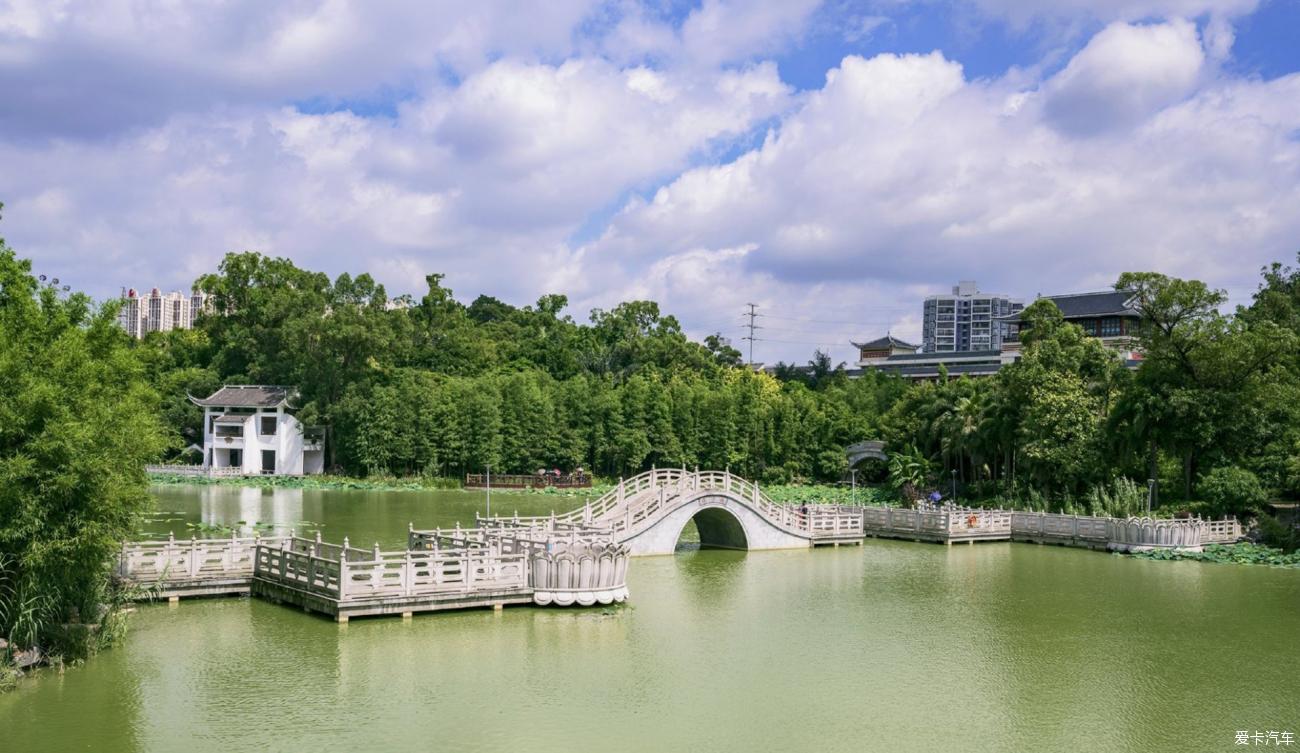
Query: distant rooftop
{"type": "Point", "coordinates": [247, 396]}
{"type": "Point", "coordinates": [967, 289]}
{"type": "Point", "coordinates": [1100, 303]}
{"type": "Point", "coordinates": [948, 356]}
{"type": "Point", "coordinates": [888, 341]}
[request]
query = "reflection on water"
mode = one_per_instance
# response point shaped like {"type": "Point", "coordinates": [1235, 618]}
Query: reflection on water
{"type": "Point", "coordinates": [890, 646]}
{"type": "Point", "coordinates": [250, 506]}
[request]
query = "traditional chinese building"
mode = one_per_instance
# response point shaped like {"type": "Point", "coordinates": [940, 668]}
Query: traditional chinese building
{"type": "Point", "coordinates": [1108, 315]}
{"type": "Point", "coordinates": [249, 430]}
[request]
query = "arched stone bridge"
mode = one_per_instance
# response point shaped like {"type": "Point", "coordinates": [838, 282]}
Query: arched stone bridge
{"type": "Point", "coordinates": [856, 453]}
{"type": "Point", "coordinates": [649, 511]}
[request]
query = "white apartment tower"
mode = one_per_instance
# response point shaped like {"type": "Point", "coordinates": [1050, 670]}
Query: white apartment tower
{"type": "Point", "coordinates": [967, 320]}
{"type": "Point", "coordinates": [158, 311]}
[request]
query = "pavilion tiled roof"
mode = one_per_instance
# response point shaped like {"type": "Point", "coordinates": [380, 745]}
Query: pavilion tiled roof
{"type": "Point", "coordinates": [1086, 305]}
{"type": "Point", "coordinates": [888, 341]}
{"type": "Point", "coordinates": [247, 396]}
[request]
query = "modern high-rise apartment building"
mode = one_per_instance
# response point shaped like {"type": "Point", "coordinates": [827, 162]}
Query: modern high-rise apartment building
{"type": "Point", "coordinates": [967, 320]}
{"type": "Point", "coordinates": [158, 311]}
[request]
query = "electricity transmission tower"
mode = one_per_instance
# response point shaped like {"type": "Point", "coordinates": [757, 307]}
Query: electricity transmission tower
{"type": "Point", "coordinates": [752, 314]}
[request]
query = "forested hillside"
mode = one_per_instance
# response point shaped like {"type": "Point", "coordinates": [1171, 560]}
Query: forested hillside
{"type": "Point", "coordinates": [432, 386]}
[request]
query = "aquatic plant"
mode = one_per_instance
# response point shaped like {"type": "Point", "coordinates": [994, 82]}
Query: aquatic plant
{"type": "Point", "coordinates": [1241, 554]}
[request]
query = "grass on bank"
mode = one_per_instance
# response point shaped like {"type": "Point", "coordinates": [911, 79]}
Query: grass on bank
{"type": "Point", "coordinates": [791, 493]}
{"type": "Point", "coordinates": [1124, 500]}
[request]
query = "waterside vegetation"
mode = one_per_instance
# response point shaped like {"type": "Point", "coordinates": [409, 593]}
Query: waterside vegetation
{"type": "Point", "coordinates": [78, 421]}
{"type": "Point", "coordinates": [418, 391]}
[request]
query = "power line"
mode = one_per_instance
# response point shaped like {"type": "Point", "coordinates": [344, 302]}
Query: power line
{"type": "Point", "coordinates": [820, 332]}
{"type": "Point", "coordinates": [832, 321]}
{"type": "Point", "coordinates": [835, 343]}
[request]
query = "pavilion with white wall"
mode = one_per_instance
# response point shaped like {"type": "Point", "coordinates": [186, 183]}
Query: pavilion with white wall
{"type": "Point", "coordinates": [248, 430]}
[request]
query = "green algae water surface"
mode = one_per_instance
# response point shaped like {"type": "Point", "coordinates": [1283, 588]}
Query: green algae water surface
{"type": "Point", "coordinates": [892, 646]}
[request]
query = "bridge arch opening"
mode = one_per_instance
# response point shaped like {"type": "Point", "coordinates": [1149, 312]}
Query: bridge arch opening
{"type": "Point", "coordinates": [871, 470]}
{"type": "Point", "coordinates": [719, 528]}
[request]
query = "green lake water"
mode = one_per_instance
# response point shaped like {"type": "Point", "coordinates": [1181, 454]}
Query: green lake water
{"type": "Point", "coordinates": [892, 646]}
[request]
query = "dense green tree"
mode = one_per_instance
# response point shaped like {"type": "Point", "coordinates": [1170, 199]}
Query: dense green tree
{"type": "Point", "coordinates": [78, 422]}
{"type": "Point", "coordinates": [434, 386]}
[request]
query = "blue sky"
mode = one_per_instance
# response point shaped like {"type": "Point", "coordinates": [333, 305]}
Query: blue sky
{"type": "Point", "coordinates": [831, 161]}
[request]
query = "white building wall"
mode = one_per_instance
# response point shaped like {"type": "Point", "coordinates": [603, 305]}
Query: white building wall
{"type": "Point", "coordinates": [286, 443]}
{"type": "Point", "coordinates": [254, 443]}
{"type": "Point", "coordinates": [289, 459]}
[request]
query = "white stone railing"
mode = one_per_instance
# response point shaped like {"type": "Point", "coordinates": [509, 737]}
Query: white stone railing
{"type": "Point", "coordinates": [345, 573]}
{"type": "Point", "coordinates": [584, 574]}
{"type": "Point", "coordinates": [573, 565]}
{"type": "Point", "coordinates": [1224, 531]}
{"type": "Point", "coordinates": [1141, 534]}
{"type": "Point", "coordinates": [944, 522]}
{"type": "Point", "coordinates": [146, 562]}
{"type": "Point", "coordinates": [835, 521]}
{"type": "Point", "coordinates": [1058, 526]}
{"type": "Point", "coordinates": [642, 499]}
{"type": "Point", "coordinates": [194, 470]}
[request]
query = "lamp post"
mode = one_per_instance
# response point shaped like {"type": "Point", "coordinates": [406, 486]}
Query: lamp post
{"type": "Point", "coordinates": [954, 486]}
{"type": "Point", "coordinates": [489, 489]}
{"type": "Point", "coordinates": [1151, 494]}
{"type": "Point", "coordinates": [853, 481]}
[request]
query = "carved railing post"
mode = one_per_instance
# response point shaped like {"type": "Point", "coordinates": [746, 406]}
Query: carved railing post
{"type": "Point", "coordinates": [312, 559]}
{"type": "Point", "coordinates": [228, 557]}
{"type": "Point", "coordinates": [344, 577]}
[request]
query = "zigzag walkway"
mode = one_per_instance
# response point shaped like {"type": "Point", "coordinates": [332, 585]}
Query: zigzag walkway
{"type": "Point", "coordinates": [581, 557]}
{"type": "Point", "coordinates": [438, 570]}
